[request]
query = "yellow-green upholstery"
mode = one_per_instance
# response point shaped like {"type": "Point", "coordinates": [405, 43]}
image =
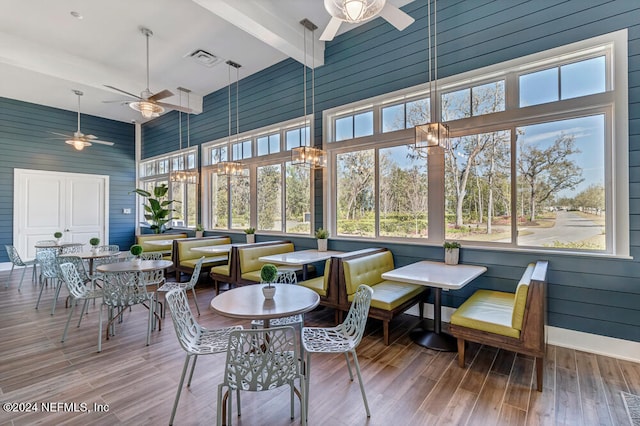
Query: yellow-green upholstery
{"type": "Point", "coordinates": [186, 258]}
{"type": "Point", "coordinates": [148, 248]}
{"type": "Point", "coordinates": [496, 311]}
{"type": "Point", "coordinates": [222, 269]}
{"type": "Point", "coordinates": [319, 284]}
{"type": "Point", "coordinates": [366, 270]}
{"type": "Point", "coordinates": [388, 295]}
{"type": "Point", "coordinates": [250, 265]}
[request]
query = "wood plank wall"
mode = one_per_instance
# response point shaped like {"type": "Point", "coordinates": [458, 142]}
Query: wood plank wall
{"type": "Point", "coordinates": [593, 295]}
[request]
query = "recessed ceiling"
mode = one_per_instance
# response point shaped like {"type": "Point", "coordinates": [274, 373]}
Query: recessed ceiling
{"type": "Point", "coordinates": [46, 52]}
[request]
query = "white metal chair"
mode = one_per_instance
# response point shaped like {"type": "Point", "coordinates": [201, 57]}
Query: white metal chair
{"type": "Point", "coordinates": [77, 291]}
{"type": "Point", "coordinates": [193, 338]}
{"type": "Point", "coordinates": [190, 285]}
{"type": "Point", "coordinates": [344, 338]}
{"type": "Point", "coordinates": [49, 272]}
{"type": "Point", "coordinates": [72, 248]}
{"type": "Point", "coordinates": [284, 277]}
{"type": "Point", "coordinates": [151, 256]}
{"type": "Point", "coordinates": [122, 290]}
{"type": "Point", "coordinates": [259, 360]}
{"type": "Point", "coordinates": [16, 260]}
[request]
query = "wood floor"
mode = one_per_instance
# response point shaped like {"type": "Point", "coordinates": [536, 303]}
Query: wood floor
{"type": "Point", "coordinates": [405, 384]}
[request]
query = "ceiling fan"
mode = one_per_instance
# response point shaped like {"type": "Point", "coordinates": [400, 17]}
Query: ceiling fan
{"type": "Point", "coordinates": [148, 102]}
{"type": "Point", "coordinates": [354, 11]}
{"type": "Point", "coordinates": [79, 140]}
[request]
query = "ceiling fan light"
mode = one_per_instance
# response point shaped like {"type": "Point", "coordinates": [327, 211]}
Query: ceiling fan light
{"type": "Point", "coordinates": [147, 109]}
{"type": "Point", "coordinates": [78, 144]}
{"type": "Point", "coordinates": [354, 11]}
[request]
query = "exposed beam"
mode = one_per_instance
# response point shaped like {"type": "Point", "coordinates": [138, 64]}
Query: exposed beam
{"type": "Point", "coordinates": [263, 23]}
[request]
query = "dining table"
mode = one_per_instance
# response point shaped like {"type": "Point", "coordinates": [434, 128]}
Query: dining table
{"type": "Point", "coordinates": [440, 277]}
{"type": "Point", "coordinates": [135, 266]}
{"type": "Point", "coordinates": [91, 256]}
{"type": "Point", "coordinates": [213, 249]}
{"type": "Point", "coordinates": [248, 302]}
{"type": "Point", "coordinates": [299, 258]}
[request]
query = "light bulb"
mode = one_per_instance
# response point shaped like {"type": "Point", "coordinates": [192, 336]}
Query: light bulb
{"type": "Point", "coordinates": [353, 9]}
{"type": "Point", "coordinates": [79, 145]}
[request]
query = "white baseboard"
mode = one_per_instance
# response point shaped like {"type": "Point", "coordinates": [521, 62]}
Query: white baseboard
{"type": "Point", "coordinates": [587, 342]}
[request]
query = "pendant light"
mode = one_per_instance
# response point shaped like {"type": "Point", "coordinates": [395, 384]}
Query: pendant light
{"type": "Point", "coordinates": [434, 134]}
{"type": "Point", "coordinates": [186, 175]}
{"type": "Point", "coordinates": [230, 167]}
{"type": "Point", "coordinates": [309, 156]}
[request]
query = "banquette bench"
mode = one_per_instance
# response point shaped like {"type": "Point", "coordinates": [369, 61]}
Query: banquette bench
{"type": "Point", "coordinates": [184, 259]}
{"type": "Point", "coordinates": [249, 265]}
{"type": "Point", "coordinates": [511, 321]}
{"type": "Point", "coordinates": [390, 298]}
{"type": "Point", "coordinates": [165, 249]}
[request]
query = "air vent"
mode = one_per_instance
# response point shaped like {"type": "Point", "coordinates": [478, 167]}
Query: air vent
{"type": "Point", "coordinates": [204, 58]}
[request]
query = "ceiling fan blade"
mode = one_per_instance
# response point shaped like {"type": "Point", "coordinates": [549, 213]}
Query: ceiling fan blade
{"type": "Point", "coordinates": [161, 95]}
{"type": "Point", "coordinates": [175, 107]}
{"type": "Point", "coordinates": [61, 134]}
{"type": "Point", "coordinates": [91, 136]}
{"type": "Point", "coordinates": [120, 101]}
{"type": "Point", "coordinates": [396, 17]}
{"type": "Point", "coordinates": [102, 142]}
{"type": "Point", "coordinates": [123, 91]}
{"type": "Point", "coordinates": [331, 30]}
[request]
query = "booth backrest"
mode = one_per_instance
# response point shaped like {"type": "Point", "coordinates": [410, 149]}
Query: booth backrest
{"type": "Point", "coordinates": [520, 298]}
{"type": "Point", "coordinates": [182, 248]}
{"type": "Point", "coordinates": [248, 256]}
{"type": "Point", "coordinates": [366, 270]}
{"type": "Point", "coordinates": [142, 240]}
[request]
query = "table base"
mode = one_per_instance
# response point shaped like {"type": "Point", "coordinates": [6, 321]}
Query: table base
{"type": "Point", "coordinates": [436, 341]}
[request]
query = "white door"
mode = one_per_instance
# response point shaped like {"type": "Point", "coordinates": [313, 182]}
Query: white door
{"type": "Point", "coordinates": [46, 202]}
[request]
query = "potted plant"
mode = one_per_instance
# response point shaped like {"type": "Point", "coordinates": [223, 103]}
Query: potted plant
{"type": "Point", "coordinates": [199, 230]}
{"type": "Point", "coordinates": [322, 235]}
{"type": "Point", "coordinates": [251, 235]}
{"type": "Point", "coordinates": [268, 274]}
{"type": "Point", "coordinates": [94, 242]}
{"type": "Point", "coordinates": [451, 252]}
{"type": "Point", "coordinates": [157, 211]}
{"type": "Point", "coordinates": [58, 236]}
{"type": "Point", "coordinates": [136, 251]}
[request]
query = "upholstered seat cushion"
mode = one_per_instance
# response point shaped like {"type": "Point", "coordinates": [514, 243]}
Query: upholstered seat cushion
{"type": "Point", "coordinates": [222, 270]}
{"type": "Point", "coordinates": [388, 295]}
{"type": "Point", "coordinates": [487, 310]}
{"type": "Point", "coordinates": [191, 263]}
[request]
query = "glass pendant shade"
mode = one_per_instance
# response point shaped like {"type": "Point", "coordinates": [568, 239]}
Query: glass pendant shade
{"type": "Point", "coordinates": [230, 168]}
{"type": "Point", "coordinates": [78, 144]}
{"type": "Point", "coordinates": [432, 135]}
{"type": "Point", "coordinates": [309, 157]}
{"type": "Point", "coordinates": [184, 176]}
{"type": "Point", "coordinates": [354, 11]}
{"type": "Point", "coordinates": [147, 109]}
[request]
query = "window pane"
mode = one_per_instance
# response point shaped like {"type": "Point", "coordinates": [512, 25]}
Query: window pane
{"type": "Point", "coordinates": [191, 161]}
{"type": "Point", "coordinates": [363, 124]}
{"type": "Point", "coordinates": [478, 188]}
{"type": "Point", "coordinates": [240, 202]}
{"type": "Point", "coordinates": [270, 198]}
{"type": "Point", "coordinates": [306, 132]}
{"type": "Point", "coordinates": [418, 112]}
{"type": "Point", "coordinates": [456, 105]}
{"type": "Point", "coordinates": [246, 149]}
{"type": "Point", "coordinates": [539, 87]}
{"type": "Point", "coordinates": [344, 128]}
{"type": "Point", "coordinates": [393, 118]}
{"type": "Point", "coordinates": [274, 143]}
{"type": "Point", "coordinates": [293, 139]}
{"type": "Point", "coordinates": [219, 202]}
{"type": "Point", "coordinates": [298, 199]}
{"type": "Point", "coordinates": [263, 145]}
{"type": "Point", "coordinates": [178, 217]}
{"type": "Point", "coordinates": [192, 204]}
{"type": "Point", "coordinates": [488, 98]}
{"type": "Point", "coordinates": [403, 192]}
{"type": "Point", "coordinates": [356, 193]}
{"type": "Point", "coordinates": [583, 78]}
{"type": "Point", "coordinates": [561, 186]}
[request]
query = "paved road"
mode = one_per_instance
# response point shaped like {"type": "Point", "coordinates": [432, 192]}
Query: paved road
{"type": "Point", "coordinates": [570, 226]}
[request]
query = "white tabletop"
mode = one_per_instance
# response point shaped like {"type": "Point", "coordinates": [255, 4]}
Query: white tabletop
{"type": "Point", "coordinates": [129, 266]}
{"type": "Point", "coordinates": [159, 243]}
{"type": "Point", "coordinates": [248, 302]}
{"type": "Point", "coordinates": [436, 274]}
{"type": "Point", "coordinates": [92, 254]}
{"type": "Point", "coordinates": [301, 257]}
{"type": "Point", "coordinates": [217, 249]}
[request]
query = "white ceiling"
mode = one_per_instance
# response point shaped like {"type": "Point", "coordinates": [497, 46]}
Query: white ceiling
{"type": "Point", "coordinates": [45, 52]}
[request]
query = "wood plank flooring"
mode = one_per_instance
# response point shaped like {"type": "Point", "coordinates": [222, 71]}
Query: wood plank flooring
{"type": "Point", "coordinates": [405, 384]}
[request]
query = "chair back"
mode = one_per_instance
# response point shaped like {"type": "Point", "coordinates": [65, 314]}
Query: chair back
{"type": "Point", "coordinates": [151, 256]}
{"type": "Point", "coordinates": [356, 321]}
{"type": "Point", "coordinates": [109, 247]}
{"type": "Point", "coordinates": [48, 261]}
{"type": "Point", "coordinates": [123, 289]}
{"type": "Point", "coordinates": [14, 257]}
{"type": "Point", "coordinates": [80, 268]}
{"type": "Point", "coordinates": [73, 248]}
{"type": "Point", "coordinates": [262, 359]}
{"type": "Point", "coordinates": [195, 275]}
{"type": "Point", "coordinates": [72, 279]}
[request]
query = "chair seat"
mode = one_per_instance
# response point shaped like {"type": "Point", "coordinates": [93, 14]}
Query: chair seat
{"type": "Point", "coordinates": [388, 295]}
{"type": "Point", "coordinates": [191, 263]}
{"type": "Point", "coordinates": [208, 341]}
{"type": "Point", "coordinates": [326, 340]}
{"type": "Point", "coordinates": [172, 285]}
{"type": "Point", "coordinates": [222, 270]}
{"type": "Point", "coordinates": [489, 311]}
{"type": "Point", "coordinates": [316, 284]}
{"type": "Point", "coordinates": [277, 322]}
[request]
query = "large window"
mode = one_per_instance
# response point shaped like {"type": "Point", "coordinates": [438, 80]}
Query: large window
{"type": "Point", "coordinates": [157, 171]}
{"type": "Point", "coordinates": [530, 164]}
{"type": "Point", "coordinates": [271, 194]}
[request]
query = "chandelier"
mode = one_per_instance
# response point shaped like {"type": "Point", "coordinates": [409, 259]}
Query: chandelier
{"type": "Point", "coordinates": [186, 175]}
{"type": "Point", "coordinates": [308, 156]}
{"type": "Point", "coordinates": [230, 167]}
{"type": "Point", "coordinates": [434, 134]}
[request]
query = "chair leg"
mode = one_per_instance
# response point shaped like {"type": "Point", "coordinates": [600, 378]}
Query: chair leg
{"type": "Point", "coordinates": [40, 295]}
{"type": "Point", "coordinates": [461, 352]}
{"type": "Point", "coordinates": [346, 356]}
{"type": "Point", "coordinates": [539, 372]}
{"type": "Point", "coordinates": [66, 327]}
{"type": "Point", "coordinates": [195, 300]}
{"type": "Point", "coordinates": [220, 408]}
{"type": "Point", "coordinates": [24, 269]}
{"type": "Point", "coordinates": [100, 330]}
{"type": "Point", "coordinates": [364, 396]}
{"type": "Point", "coordinates": [303, 399]}
{"type": "Point", "coordinates": [307, 373]}
{"type": "Point", "coordinates": [385, 332]}
{"type": "Point", "coordinates": [175, 402]}
{"type": "Point", "coordinates": [151, 312]}
{"type": "Point", "coordinates": [58, 285]}
{"type": "Point", "coordinates": [84, 308]}
{"type": "Point", "coordinates": [193, 367]}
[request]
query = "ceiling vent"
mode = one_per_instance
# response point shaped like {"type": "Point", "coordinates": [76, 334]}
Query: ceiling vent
{"type": "Point", "coordinates": [203, 57]}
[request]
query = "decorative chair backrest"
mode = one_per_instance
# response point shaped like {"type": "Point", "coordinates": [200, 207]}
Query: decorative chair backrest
{"type": "Point", "coordinates": [151, 256]}
{"type": "Point", "coordinates": [123, 289]}
{"type": "Point", "coordinates": [70, 275]}
{"type": "Point", "coordinates": [356, 320]}
{"type": "Point", "coordinates": [47, 258]}
{"type": "Point", "coordinates": [81, 271]}
{"type": "Point", "coordinates": [195, 275]}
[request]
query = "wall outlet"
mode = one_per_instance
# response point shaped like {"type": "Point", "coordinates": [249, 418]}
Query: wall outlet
{"type": "Point", "coordinates": [126, 211]}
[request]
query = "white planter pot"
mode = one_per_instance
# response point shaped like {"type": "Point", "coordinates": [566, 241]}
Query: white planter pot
{"type": "Point", "coordinates": [58, 241]}
{"type": "Point", "coordinates": [268, 292]}
{"type": "Point", "coordinates": [451, 256]}
{"type": "Point", "coordinates": [251, 238]}
{"type": "Point", "coordinates": [94, 249]}
{"type": "Point", "coordinates": [322, 244]}
{"type": "Point", "coordinates": [135, 260]}
{"type": "Point", "coordinates": [199, 234]}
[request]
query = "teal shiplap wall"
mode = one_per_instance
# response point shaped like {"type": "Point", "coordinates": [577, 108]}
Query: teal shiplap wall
{"type": "Point", "coordinates": [25, 143]}
{"type": "Point", "coordinates": [594, 295]}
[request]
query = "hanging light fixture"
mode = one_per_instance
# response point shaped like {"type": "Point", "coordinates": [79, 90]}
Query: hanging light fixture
{"type": "Point", "coordinates": [307, 155]}
{"type": "Point", "coordinates": [186, 175]}
{"type": "Point", "coordinates": [435, 134]}
{"type": "Point", "coordinates": [230, 167]}
{"type": "Point", "coordinates": [147, 108]}
{"type": "Point", "coordinates": [354, 11]}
